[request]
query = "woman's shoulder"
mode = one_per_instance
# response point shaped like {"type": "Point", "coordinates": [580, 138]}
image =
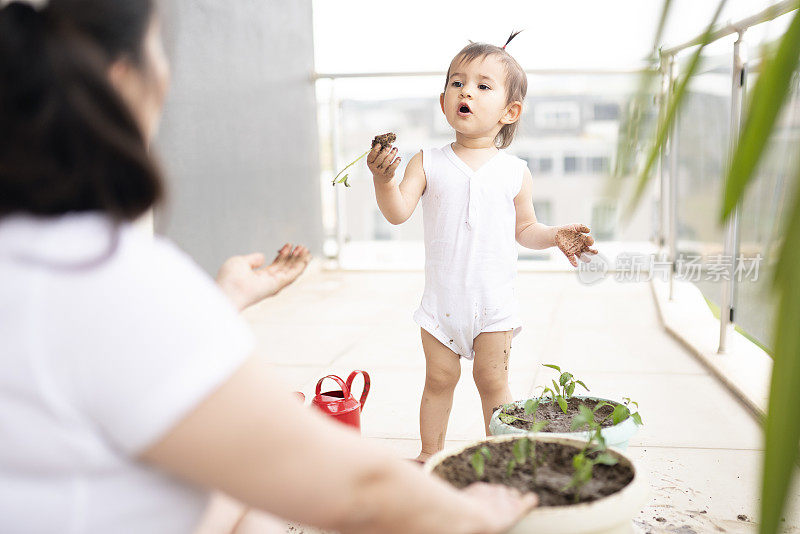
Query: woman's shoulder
{"type": "Point", "coordinates": [79, 250]}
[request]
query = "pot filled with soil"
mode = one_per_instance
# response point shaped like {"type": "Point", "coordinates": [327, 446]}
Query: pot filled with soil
{"type": "Point", "coordinates": [514, 419]}
{"type": "Point", "coordinates": [583, 488]}
{"type": "Point", "coordinates": [559, 412]}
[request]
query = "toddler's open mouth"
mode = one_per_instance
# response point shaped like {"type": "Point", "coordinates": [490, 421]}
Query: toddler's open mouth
{"type": "Point", "coordinates": [463, 109]}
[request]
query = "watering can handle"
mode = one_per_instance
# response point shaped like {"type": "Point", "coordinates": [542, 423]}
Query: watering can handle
{"type": "Point", "coordinates": [345, 387]}
{"type": "Point", "coordinates": [366, 385]}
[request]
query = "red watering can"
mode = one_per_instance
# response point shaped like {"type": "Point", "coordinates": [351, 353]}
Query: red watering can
{"type": "Point", "coordinates": [341, 405]}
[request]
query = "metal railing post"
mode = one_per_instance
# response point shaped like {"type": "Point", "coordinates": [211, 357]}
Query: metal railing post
{"type": "Point", "coordinates": [335, 133]}
{"type": "Point", "coordinates": [673, 183]}
{"type": "Point", "coordinates": [731, 239]}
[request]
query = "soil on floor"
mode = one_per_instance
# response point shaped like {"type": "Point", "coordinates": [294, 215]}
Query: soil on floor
{"type": "Point", "coordinates": [558, 421]}
{"type": "Point", "coordinates": [548, 480]}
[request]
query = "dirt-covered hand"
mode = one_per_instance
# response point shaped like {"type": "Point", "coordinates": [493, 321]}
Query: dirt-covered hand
{"type": "Point", "coordinates": [504, 505]}
{"type": "Point", "coordinates": [382, 162]}
{"type": "Point", "coordinates": [246, 281]}
{"type": "Point", "coordinates": [574, 240]}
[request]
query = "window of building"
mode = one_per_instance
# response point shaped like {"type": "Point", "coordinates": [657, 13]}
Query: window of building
{"type": "Point", "coordinates": [598, 165]}
{"type": "Point", "coordinates": [572, 164]}
{"type": "Point", "coordinates": [604, 215]}
{"type": "Point", "coordinates": [539, 165]}
{"type": "Point", "coordinates": [543, 209]}
{"type": "Point", "coordinates": [562, 115]}
{"type": "Point", "coordinates": [606, 112]}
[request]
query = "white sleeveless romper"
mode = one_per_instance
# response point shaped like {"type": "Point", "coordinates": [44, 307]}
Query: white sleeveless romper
{"type": "Point", "coordinates": [470, 248]}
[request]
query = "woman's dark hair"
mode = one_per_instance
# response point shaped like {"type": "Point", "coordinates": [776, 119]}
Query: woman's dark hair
{"type": "Point", "coordinates": [68, 142]}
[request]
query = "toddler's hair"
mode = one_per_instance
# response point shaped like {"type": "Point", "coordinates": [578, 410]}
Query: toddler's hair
{"type": "Point", "coordinates": [516, 80]}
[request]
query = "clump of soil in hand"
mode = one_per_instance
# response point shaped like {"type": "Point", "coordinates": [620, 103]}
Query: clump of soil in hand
{"type": "Point", "coordinates": [570, 242]}
{"type": "Point", "coordinates": [557, 420]}
{"type": "Point", "coordinates": [548, 480]}
{"type": "Point", "coordinates": [384, 140]}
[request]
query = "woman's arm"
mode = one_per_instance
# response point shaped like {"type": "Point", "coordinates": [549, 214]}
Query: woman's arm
{"type": "Point", "coordinates": [396, 201]}
{"type": "Point", "coordinates": [246, 281]}
{"type": "Point", "coordinates": [253, 441]}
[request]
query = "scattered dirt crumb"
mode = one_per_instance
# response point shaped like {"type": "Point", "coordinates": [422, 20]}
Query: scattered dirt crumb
{"type": "Point", "coordinates": [661, 520]}
{"type": "Point", "coordinates": [742, 517]}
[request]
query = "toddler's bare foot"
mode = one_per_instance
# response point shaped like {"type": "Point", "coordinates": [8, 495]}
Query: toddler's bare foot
{"type": "Point", "coordinates": [423, 457]}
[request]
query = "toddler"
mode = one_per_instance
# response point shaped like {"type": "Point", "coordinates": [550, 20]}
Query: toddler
{"type": "Point", "coordinates": [477, 205]}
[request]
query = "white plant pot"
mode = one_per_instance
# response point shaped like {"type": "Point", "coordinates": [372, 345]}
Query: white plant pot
{"type": "Point", "coordinates": [616, 436]}
{"type": "Point", "coordinates": [610, 515]}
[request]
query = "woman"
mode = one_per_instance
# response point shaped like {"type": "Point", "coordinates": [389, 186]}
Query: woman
{"type": "Point", "coordinates": [127, 385]}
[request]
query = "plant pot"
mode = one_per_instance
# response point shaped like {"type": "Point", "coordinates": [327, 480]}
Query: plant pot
{"type": "Point", "coordinates": [611, 514]}
{"type": "Point", "coordinates": [616, 436]}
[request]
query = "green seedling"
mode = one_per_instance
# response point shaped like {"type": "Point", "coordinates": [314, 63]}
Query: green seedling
{"type": "Point", "coordinates": [479, 460]}
{"type": "Point", "coordinates": [564, 388]}
{"type": "Point", "coordinates": [530, 409]}
{"type": "Point", "coordinates": [384, 140]}
{"type": "Point", "coordinates": [582, 462]}
{"type": "Point", "coordinates": [523, 450]}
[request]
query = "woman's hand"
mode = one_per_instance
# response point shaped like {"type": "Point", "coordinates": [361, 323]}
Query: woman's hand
{"type": "Point", "coordinates": [570, 239]}
{"type": "Point", "coordinates": [382, 162]}
{"type": "Point", "coordinates": [246, 282]}
{"type": "Point", "coordinates": [505, 505]}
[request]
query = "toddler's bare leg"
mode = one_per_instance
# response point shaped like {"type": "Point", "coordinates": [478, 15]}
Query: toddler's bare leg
{"type": "Point", "coordinates": [490, 370]}
{"type": "Point", "coordinates": [442, 371]}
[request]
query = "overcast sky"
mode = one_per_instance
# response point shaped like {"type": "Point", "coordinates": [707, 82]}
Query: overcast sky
{"type": "Point", "coordinates": [370, 36]}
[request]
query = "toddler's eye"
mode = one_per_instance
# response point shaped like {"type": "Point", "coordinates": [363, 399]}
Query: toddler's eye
{"type": "Point", "coordinates": [457, 84]}
{"type": "Point", "coordinates": [483, 86]}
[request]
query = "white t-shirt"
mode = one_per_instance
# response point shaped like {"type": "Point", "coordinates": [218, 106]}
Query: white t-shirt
{"type": "Point", "coordinates": [97, 362]}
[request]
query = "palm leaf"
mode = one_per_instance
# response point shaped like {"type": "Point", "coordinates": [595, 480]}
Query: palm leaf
{"type": "Point", "coordinates": [767, 99]}
{"type": "Point", "coordinates": [673, 105]}
{"type": "Point", "coordinates": [782, 426]}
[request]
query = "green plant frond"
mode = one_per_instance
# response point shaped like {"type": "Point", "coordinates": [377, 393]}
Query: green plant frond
{"type": "Point", "coordinates": [601, 404]}
{"type": "Point", "coordinates": [782, 426]}
{"type": "Point", "coordinates": [478, 464]}
{"type": "Point", "coordinates": [767, 99]}
{"type": "Point", "coordinates": [564, 378]}
{"type": "Point", "coordinates": [562, 404]}
{"type": "Point", "coordinates": [531, 405]}
{"type": "Point", "coordinates": [637, 418]}
{"type": "Point", "coordinates": [606, 459]}
{"type": "Point", "coordinates": [582, 384]}
{"type": "Point", "coordinates": [506, 418]}
{"type": "Point", "coordinates": [551, 366]}
{"type": "Point", "coordinates": [619, 414]}
{"type": "Point", "coordinates": [569, 389]}
{"type": "Point", "coordinates": [520, 450]}
{"type": "Point", "coordinates": [538, 426]}
{"type": "Point", "coordinates": [670, 114]}
{"type": "Point", "coordinates": [510, 467]}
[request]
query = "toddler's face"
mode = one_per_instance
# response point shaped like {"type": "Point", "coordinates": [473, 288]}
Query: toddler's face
{"type": "Point", "coordinates": [474, 101]}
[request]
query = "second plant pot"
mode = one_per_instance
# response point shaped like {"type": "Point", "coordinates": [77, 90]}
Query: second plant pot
{"type": "Point", "coordinates": [616, 436]}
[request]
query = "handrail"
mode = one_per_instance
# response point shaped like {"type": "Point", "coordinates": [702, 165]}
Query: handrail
{"type": "Point", "coordinates": [338, 75]}
{"type": "Point", "coordinates": [772, 12]}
